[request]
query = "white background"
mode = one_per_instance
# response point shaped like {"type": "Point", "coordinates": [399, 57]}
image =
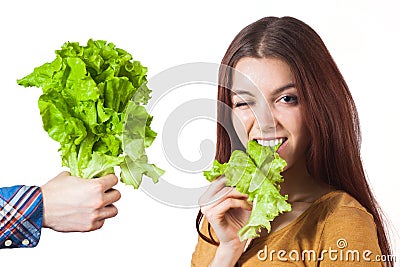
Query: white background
{"type": "Point", "coordinates": [362, 36]}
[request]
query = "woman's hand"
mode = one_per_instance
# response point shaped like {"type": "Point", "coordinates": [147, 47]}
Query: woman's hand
{"type": "Point", "coordinates": [72, 204]}
{"type": "Point", "coordinates": [227, 211]}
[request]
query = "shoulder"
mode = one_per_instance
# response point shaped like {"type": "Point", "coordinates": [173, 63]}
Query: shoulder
{"type": "Point", "coordinates": [348, 223]}
{"type": "Point", "coordinates": [334, 215]}
{"type": "Point", "coordinates": [337, 209]}
{"type": "Point", "coordinates": [343, 208]}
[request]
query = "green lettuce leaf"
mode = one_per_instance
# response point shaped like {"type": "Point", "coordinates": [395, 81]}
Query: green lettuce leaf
{"type": "Point", "coordinates": [257, 174]}
{"type": "Point", "coordinates": [84, 106]}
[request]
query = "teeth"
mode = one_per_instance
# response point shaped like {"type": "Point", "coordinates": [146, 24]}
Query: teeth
{"type": "Point", "coordinates": [270, 142]}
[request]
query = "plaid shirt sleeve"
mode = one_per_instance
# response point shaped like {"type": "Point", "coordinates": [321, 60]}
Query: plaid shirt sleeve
{"type": "Point", "coordinates": [21, 214]}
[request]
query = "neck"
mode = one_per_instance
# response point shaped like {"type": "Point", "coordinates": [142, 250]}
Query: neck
{"type": "Point", "coordinates": [300, 186]}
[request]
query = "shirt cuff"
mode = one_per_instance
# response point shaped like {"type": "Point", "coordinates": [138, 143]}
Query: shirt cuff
{"type": "Point", "coordinates": [21, 216]}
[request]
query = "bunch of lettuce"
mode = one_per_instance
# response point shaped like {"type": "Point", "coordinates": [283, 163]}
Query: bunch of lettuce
{"type": "Point", "coordinates": [89, 93]}
{"type": "Point", "coordinates": [257, 174]}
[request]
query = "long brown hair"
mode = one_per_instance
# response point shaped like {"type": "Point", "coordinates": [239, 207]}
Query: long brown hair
{"type": "Point", "coordinates": [329, 109]}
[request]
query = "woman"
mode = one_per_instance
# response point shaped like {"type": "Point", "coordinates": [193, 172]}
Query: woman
{"type": "Point", "coordinates": [302, 99]}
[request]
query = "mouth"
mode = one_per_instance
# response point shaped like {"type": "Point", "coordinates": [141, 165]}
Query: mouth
{"type": "Point", "coordinates": [271, 142]}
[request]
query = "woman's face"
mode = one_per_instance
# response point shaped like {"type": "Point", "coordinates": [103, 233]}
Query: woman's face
{"type": "Point", "coordinates": [266, 108]}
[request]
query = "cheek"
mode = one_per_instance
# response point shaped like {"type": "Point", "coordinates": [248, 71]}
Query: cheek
{"type": "Point", "coordinates": [293, 122]}
{"type": "Point", "coordinates": [243, 121]}
{"type": "Point", "coordinates": [301, 132]}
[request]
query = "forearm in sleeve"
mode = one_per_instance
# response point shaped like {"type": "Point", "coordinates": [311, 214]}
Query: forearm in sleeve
{"type": "Point", "coordinates": [21, 215]}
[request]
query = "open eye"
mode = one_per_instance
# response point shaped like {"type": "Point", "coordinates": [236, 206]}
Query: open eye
{"type": "Point", "coordinates": [289, 99]}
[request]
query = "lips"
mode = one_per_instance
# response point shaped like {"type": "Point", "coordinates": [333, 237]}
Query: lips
{"type": "Point", "coordinates": [282, 146]}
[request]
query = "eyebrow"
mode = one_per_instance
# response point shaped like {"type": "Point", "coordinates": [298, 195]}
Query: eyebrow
{"type": "Point", "coordinates": [275, 92]}
{"type": "Point", "coordinates": [282, 89]}
{"type": "Point", "coordinates": [242, 92]}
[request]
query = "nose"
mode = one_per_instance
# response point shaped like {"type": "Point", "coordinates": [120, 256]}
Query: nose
{"type": "Point", "coordinates": [265, 120]}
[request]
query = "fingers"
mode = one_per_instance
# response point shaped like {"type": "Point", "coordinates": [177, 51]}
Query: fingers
{"type": "Point", "coordinates": [216, 214]}
{"type": "Point", "coordinates": [103, 214]}
{"type": "Point", "coordinates": [111, 196]}
{"type": "Point", "coordinates": [107, 181]}
{"type": "Point", "coordinates": [232, 194]}
{"type": "Point", "coordinates": [214, 191]}
{"type": "Point", "coordinates": [108, 212]}
{"type": "Point", "coordinates": [218, 192]}
{"type": "Point", "coordinates": [231, 203]}
{"type": "Point", "coordinates": [96, 225]}
{"type": "Point", "coordinates": [74, 204]}
{"type": "Point", "coordinates": [217, 185]}
{"type": "Point", "coordinates": [227, 192]}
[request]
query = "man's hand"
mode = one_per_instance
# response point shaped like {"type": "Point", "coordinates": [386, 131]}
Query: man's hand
{"type": "Point", "coordinates": [72, 204]}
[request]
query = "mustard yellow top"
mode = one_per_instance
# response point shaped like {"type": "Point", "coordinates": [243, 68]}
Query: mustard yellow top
{"type": "Point", "coordinates": [334, 231]}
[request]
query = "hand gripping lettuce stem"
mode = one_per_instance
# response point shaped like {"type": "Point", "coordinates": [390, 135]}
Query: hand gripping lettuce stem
{"type": "Point", "coordinates": [257, 174]}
